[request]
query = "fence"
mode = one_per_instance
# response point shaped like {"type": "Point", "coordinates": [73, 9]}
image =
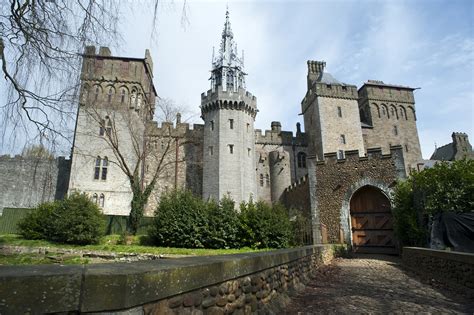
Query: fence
{"type": "Point", "coordinates": [114, 224]}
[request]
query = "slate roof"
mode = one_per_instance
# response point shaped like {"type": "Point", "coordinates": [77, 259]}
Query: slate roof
{"type": "Point", "coordinates": [445, 153]}
{"type": "Point", "coordinates": [329, 79]}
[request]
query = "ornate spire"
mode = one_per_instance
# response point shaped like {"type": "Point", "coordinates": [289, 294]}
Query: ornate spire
{"type": "Point", "coordinates": [227, 67]}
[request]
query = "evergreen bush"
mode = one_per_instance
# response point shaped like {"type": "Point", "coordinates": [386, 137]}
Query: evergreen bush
{"type": "Point", "coordinates": [74, 220]}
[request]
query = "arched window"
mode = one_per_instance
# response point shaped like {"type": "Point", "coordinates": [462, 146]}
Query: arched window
{"type": "Point", "coordinates": [378, 109]}
{"type": "Point", "coordinates": [385, 111]}
{"type": "Point", "coordinates": [101, 200]}
{"type": "Point", "coordinates": [102, 127]}
{"type": "Point", "coordinates": [110, 93]}
{"type": "Point", "coordinates": [133, 98]}
{"type": "Point", "coordinates": [301, 159]}
{"type": "Point", "coordinates": [261, 180]}
{"type": "Point", "coordinates": [94, 199]}
{"type": "Point", "coordinates": [97, 168]}
{"type": "Point", "coordinates": [108, 126]}
{"type": "Point", "coordinates": [105, 165]}
{"type": "Point", "coordinates": [123, 95]}
{"type": "Point", "coordinates": [267, 180]}
{"type": "Point", "coordinates": [96, 93]}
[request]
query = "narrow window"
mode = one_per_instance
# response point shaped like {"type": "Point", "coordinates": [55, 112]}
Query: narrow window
{"type": "Point", "coordinates": [96, 95]}
{"type": "Point", "coordinates": [211, 150]}
{"type": "Point", "coordinates": [231, 123]}
{"type": "Point", "coordinates": [122, 96]}
{"type": "Point", "coordinates": [248, 127]}
{"type": "Point", "coordinates": [109, 126]}
{"type": "Point", "coordinates": [231, 148]}
{"type": "Point", "coordinates": [105, 165]}
{"type": "Point", "coordinates": [395, 130]}
{"type": "Point", "coordinates": [384, 112]}
{"type": "Point", "coordinates": [340, 154]}
{"type": "Point", "coordinates": [339, 111]}
{"type": "Point", "coordinates": [212, 125]}
{"type": "Point", "coordinates": [301, 159]}
{"type": "Point", "coordinates": [261, 180]}
{"type": "Point", "coordinates": [97, 168]}
{"type": "Point", "coordinates": [94, 199]}
{"type": "Point", "coordinates": [406, 147]}
{"type": "Point", "coordinates": [101, 200]}
{"type": "Point", "coordinates": [102, 128]}
{"type": "Point", "coordinates": [109, 95]}
{"type": "Point", "coordinates": [248, 151]}
{"type": "Point", "coordinates": [343, 139]}
{"type": "Point", "coordinates": [267, 180]}
{"type": "Point", "coordinates": [392, 111]}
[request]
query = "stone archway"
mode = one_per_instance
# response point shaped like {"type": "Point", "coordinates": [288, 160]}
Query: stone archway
{"type": "Point", "coordinates": [371, 221]}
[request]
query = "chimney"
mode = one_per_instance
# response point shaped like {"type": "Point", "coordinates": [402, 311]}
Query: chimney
{"type": "Point", "coordinates": [315, 71]}
{"type": "Point", "coordinates": [89, 51]}
{"type": "Point", "coordinates": [276, 126]}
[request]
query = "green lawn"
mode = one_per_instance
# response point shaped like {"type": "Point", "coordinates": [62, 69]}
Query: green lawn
{"type": "Point", "coordinates": [109, 243]}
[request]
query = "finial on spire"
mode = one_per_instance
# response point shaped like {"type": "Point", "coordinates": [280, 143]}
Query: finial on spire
{"type": "Point", "coordinates": [212, 60]}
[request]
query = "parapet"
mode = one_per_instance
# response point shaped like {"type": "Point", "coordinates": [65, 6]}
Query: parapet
{"type": "Point", "coordinates": [219, 99]}
{"type": "Point", "coordinates": [277, 137]}
{"type": "Point", "coordinates": [168, 129]}
{"type": "Point", "coordinates": [299, 183]}
{"type": "Point", "coordinates": [396, 152]}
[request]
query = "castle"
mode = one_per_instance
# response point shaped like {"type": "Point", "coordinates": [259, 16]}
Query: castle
{"type": "Point", "coordinates": [339, 173]}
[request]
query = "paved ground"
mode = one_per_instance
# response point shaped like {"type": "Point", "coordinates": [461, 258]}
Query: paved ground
{"type": "Point", "coordinates": [374, 284]}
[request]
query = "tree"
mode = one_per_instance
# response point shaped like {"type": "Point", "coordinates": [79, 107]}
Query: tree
{"type": "Point", "coordinates": [447, 187]}
{"type": "Point", "coordinates": [37, 151]}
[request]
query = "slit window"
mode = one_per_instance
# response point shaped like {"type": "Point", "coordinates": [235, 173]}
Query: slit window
{"type": "Point", "coordinates": [212, 125]}
{"type": "Point", "coordinates": [339, 111]}
{"type": "Point", "coordinates": [231, 148]}
{"type": "Point", "coordinates": [261, 180]}
{"type": "Point", "coordinates": [211, 151]}
{"type": "Point", "coordinates": [395, 130]}
{"type": "Point", "coordinates": [231, 123]}
{"type": "Point", "coordinates": [343, 139]}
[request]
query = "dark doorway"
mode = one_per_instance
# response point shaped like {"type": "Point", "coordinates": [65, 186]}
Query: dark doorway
{"type": "Point", "coordinates": [372, 222]}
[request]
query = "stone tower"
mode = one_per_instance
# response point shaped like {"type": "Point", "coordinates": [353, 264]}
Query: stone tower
{"type": "Point", "coordinates": [229, 113]}
{"type": "Point", "coordinates": [331, 114]}
{"type": "Point", "coordinates": [388, 118]}
{"type": "Point", "coordinates": [117, 99]}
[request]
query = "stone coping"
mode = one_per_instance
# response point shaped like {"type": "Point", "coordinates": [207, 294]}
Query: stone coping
{"type": "Point", "coordinates": [467, 258]}
{"type": "Point", "coordinates": [118, 286]}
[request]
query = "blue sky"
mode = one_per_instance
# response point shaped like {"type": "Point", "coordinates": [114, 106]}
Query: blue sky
{"type": "Point", "coordinates": [421, 43]}
{"type": "Point", "coordinates": [427, 44]}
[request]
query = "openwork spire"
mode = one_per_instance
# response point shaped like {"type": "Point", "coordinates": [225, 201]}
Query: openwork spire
{"type": "Point", "coordinates": [227, 67]}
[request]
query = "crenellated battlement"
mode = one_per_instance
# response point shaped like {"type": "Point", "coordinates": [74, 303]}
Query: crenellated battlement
{"type": "Point", "coordinates": [219, 99]}
{"type": "Point", "coordinates": [276, 136]}
{"type": "Point", "coordinates": [353, 155]}
{"type": "Point", "coordinates": [169, 129]}
{"type": "Point", "coordinates": [299, 183]}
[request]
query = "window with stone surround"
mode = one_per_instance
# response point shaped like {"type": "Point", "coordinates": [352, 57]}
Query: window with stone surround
{"type": "Point", "coordinates": [342, 139]}
{"type": "Point", "coordinates": [105, 165]}
{"type": "Point", "coordinates": [231, 148]}
{"type": "Point", "coordinates": [340, 154]}
{"type": "Point", "coordinates": [110, 93]}
{"type": "Point", "coordinates": [101, 200]}
{"type": "Point", "coordinates": [102, 127]}
{"type": "Point", "coordinates": [212, 125]}
{"type": "Point", "coordinates": [248, 127]}
{"type": "Point", "coordinates": [211, 150]}
{"type": "Point", "coordinates": [339, 111]}
{"type": "Point", "coordinates": [97, 168]}
{"type": "Point", "coordinates": [231, 123]}
{"type": "Point", "coordinates": [94, 198]}
{"type": "Point", "coordinates": [96, 93]}
{"type": "Point", "coordinates": [301, 157]}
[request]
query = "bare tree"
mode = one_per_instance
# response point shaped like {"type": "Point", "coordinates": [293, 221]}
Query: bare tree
{"type": "Point", "coordinates": [168, 110]}
{"type": "Point", "coordinates": [143, 163]}
{"type": "Point", "coordinates": [39, 45]}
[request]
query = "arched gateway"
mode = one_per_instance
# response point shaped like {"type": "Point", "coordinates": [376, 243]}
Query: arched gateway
{"type": "Point", "coordinates": [372, 222]}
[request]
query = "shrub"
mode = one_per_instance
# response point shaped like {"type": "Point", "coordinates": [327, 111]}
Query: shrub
{"type": "Point", "coordinates": [179, 221]}
{"type": "Point", "coordinates": [74, 220]}
{"type": "Point", "coordinates": [265, 226]}
{"type": "Point", "coordinates": [222, 224]}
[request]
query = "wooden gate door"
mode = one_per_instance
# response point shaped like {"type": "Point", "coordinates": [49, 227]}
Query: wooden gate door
{"type": "Point", "coordinates": [372, 222]}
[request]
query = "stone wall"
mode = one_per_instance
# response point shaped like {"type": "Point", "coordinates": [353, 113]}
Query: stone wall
{"type": "Point", "coordinates": [337, 180]}
{"type": "Point", "coordinates": [297, 196]}
{"type": "Point", "coordinates": [26, 182]}
{"type": "Point", "coordinates": [251, 283]}
{"type": "Point", "coordinates": [453, 269]}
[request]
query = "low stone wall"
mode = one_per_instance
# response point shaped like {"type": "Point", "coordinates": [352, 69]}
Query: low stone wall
{"type": "Point", "coordinates": [454, 269]}
{"type": "Point", "coordinates": [244, 283]}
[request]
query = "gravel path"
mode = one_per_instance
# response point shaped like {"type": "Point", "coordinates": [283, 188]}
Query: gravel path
{"type": "Point", "coordinates": [374, 284]}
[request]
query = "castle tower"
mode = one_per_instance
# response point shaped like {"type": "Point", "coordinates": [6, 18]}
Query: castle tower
{"type": "Point", "coordinates": [117, 98]}
{"type": "Point", "coordinates": [331, 114]}
{"type": "Point", "coordinates": [229, 113]}
{"type": "Point", "coordinates": [388, 118]}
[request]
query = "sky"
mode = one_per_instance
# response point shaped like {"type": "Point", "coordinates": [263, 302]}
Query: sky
{"type": "Point", "coordinates": [426, 44]}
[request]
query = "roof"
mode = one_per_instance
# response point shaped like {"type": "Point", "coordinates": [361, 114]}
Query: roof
{"type": "Point", "coordinates": [381, 83]}
{"type": "Point", "coordinates": [445, 153]}
{"type": "Point", "coordinates": [327, 78]}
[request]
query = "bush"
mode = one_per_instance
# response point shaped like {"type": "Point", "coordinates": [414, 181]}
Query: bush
{"type": "Point", "coordinates": [264, 226]}
{"type": "Point", "coordinates": [447, 187]}
{"type": "Point", "coordinates": [179, 221]}
{"type": "Point", "coordinates": [74, 220]}
{"type": "Point", "coordinates": [183, 220]}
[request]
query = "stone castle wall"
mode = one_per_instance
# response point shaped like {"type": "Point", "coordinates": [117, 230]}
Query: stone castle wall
{"type": "Point", "coordinates": [26, 182]}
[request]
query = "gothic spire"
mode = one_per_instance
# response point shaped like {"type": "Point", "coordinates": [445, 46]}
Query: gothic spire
{"type": "Point", "coordinates": [227, 67]}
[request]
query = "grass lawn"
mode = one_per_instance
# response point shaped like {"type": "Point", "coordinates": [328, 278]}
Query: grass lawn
{"type": "Point", "coordinates": [109, 244]}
